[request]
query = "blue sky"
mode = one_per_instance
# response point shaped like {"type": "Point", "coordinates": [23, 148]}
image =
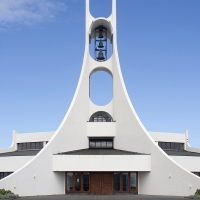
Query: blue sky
{"type": "Point", "coordinates": [41, 53]}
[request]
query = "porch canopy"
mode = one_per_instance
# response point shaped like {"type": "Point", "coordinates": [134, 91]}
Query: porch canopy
{"type": "Point", "coordinates": [101, 160]}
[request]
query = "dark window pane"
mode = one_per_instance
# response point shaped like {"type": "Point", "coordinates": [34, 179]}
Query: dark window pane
{"type": "Point", "coordinates": [109, 144]}
{"type": "Point", "coordinates": [92, 144]}
{"type": "Point", "coordinates": [163, 145]}
{"type": "Point", "coordinates": [172, 145]}
{"type": "Point", "coordinates": [100, 117]}
{"type": "Point", "coordinates": [24, 146]}
{"type": "Point", "coordinates": [167, 145]}
{"type": "Point", "coordinates": [20, 147]}
{"type": "Point", "coordinates": [41, 145]}
{"type": "Point", "coordinates": [177, 146]}
{"type": "Point", "coordinates": [37, 145]}
{"type": "Point", "coordinates": [103, 144]}
{"type": "Point", "coordinates": [133, 181]}
{"type": "Point", "coordinates": [116, 181]}
{"type": "Point", "coordinates": [98, 144]}
{"type": "Point", "coordinates": [77, 181]}
{"type": "Point", "coordinates": [1, 175]}
{"type": "Point", "coordinates": [28, 145]}
{"type": "Point", "coordinates": [32, 145]}
{"type": "Point", "coordinates": [181, 146]}
{"type": "Point", "coordinates": [196, 173]}
{"type": "Point", "coordinates": [125, 181]}
{"type": "Point", "coordinates": [159, 144]}
{"type": "Point", "coordinates": [86, 181]}
{"type": "Point", "coordinates": [69, 181]}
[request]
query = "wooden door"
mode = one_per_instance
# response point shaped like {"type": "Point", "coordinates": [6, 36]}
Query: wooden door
{"type": "Point", "coordinates": [101, 183]}
{"type": "Point", "coordinates": [95, 183]}
{"type": "Point", "coordinates": [107, 183]}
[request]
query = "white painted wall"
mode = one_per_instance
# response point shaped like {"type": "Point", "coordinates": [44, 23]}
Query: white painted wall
{"type": "Point", "coordinates": [101, 163]}
{"type": "Point", "coordinates": [191, 163]}
{"type": "Point", "coordinates": [37, 177]}
{"type": "Point", "coordinates": [27, 137]}
{"type": "Point", "coordinates": [34, 137]}
{"type": "Point", "coordinates": [13, 163]}
{"type": "Point", "coordinates": [101, 129]}
{"type": "Point", "coordinates": [168, 137]}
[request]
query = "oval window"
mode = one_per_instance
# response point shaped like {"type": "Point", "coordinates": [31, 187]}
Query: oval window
{"type": "Point", "coordinates": [101, 88]}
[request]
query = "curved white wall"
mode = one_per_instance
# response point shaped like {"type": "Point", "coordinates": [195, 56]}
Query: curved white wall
{"type": "Point", "coordinates": [13, 163]}
{"type": "Point", "coordinates": [131, 135]}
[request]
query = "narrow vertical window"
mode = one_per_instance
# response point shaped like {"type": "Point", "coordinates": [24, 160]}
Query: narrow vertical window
{"type": "Point", "coordinates": [69, 181]}
{"type": "Point", "coordinates": [133, 181]}
{"type": "Point", "coordinates": [125, 181]}
{"type": "Point", "coordinates": [86, 181]}
{"type": "Point", "coordinates": [116, 181]}
{"type": "Point", "coordinates": [24, 146]}
{"type": "Point", "coordinates": [37, 146]}
{"type": "Point", "coordinates": [172, 145]}
{"type": "Point", "coordinates": [28, 145]}
{"type": "Point", "coordinates": [77, 181]}
{"type": "Point", "coordinates": [167, 145]}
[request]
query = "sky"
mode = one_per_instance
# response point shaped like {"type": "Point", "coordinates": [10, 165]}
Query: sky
{"type": "Point", "coordinates": [41, 53]}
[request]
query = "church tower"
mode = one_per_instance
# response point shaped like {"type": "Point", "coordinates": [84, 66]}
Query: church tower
{"type": "Point", "coordinates": [101, 149]}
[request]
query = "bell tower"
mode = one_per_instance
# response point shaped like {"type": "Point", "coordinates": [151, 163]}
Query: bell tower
{"type": "Point", "coordinates": [63, 164]}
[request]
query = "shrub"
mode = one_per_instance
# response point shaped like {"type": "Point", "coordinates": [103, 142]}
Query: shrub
{"type": "Point", "coordinates": [197, 193]}
{"type": "Point", "coordinates": [6, 194]}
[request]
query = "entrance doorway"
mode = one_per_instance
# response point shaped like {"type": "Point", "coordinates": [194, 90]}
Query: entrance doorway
{"type": "Point", "coordinates": [101, 183]}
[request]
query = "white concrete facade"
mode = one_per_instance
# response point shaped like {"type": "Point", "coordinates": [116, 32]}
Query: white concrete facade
{"type": "Point", "coordinates": [101, 163]}
{"type": "Point", "coordinates": [158, 173]}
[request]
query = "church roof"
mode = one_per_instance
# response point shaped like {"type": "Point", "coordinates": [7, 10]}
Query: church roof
{"type": "Point", "coordinates": [100, 152]}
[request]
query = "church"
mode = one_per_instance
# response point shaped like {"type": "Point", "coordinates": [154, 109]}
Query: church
{"type": "Point", "coordinates": [100, 149]}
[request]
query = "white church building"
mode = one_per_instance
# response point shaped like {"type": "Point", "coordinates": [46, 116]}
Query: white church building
{"type": "Point", "coordinates": [100, 149]}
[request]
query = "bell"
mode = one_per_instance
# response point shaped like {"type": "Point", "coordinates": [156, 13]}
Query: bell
{"type": "Point", "coordinates": [100, 55]}
{"type": "Point", "coordinates": [100, 33]}
{"type": "Point", "coordinates": [100, 45]}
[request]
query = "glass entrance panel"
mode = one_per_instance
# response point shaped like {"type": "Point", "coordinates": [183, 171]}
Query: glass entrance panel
{"type": "Point", "coordinates": [86, 181]}
{"type": "Point", "coordinates": [133, 181]}
{"type": "Point", "coordinates": [77, 181]}
{"type": "Point", "coordinates": [69, 181]}
{"type": "Point", "coordinates": [116, 181]}
{"type": "Point", "coordinates": [125, 181]}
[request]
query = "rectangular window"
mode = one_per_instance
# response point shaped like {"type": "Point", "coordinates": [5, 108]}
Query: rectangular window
{"type": "Point", "coordinates": [172, 145]}
{"type": "Point", "coordinates": [177, 146]}
{"type": "Point", "coordinates": [168, 145]}
{"type": "Point", "coordinates": [23, 146]}
{"type": "Point", "coordinates": [29, 146]}
{"type": "Point", "coordinates": [41, 145]}
{"type": "Point", "coordinates": [163, 145]}
{"type": "Point", "coordinates": [160, 144]}
{"type": "Point", "coordinates": [101, 143]}
{"type": "Point", "coordinates": [98, 144]}
{"type": "Point", "coordinates": [37, 145]}
{"type": "Point", "coordinates": [19, 146]}
{"type": "Point", "coordinates": [92, 144]}
{"type": "Point", "coordinates": [181, 146]}
{"type": "Point", "coordinates": [32, 145]}
{"type": "Point", "coordinates": [4, 174]}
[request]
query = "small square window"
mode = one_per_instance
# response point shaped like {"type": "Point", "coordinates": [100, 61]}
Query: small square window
{"type": "Point", "coordinates": [98, 144]}
{"type": "Point", "coordinates": [109, 144]}
{"type": "Point", "coordinates": [92, 144]}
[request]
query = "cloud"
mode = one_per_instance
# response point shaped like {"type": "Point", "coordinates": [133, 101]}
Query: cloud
{"type": "Point", "coordinates": [28, 12]}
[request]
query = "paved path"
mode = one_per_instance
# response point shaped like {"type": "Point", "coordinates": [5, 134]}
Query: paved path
{"type": "Point", "coordinates": [103, 197]}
